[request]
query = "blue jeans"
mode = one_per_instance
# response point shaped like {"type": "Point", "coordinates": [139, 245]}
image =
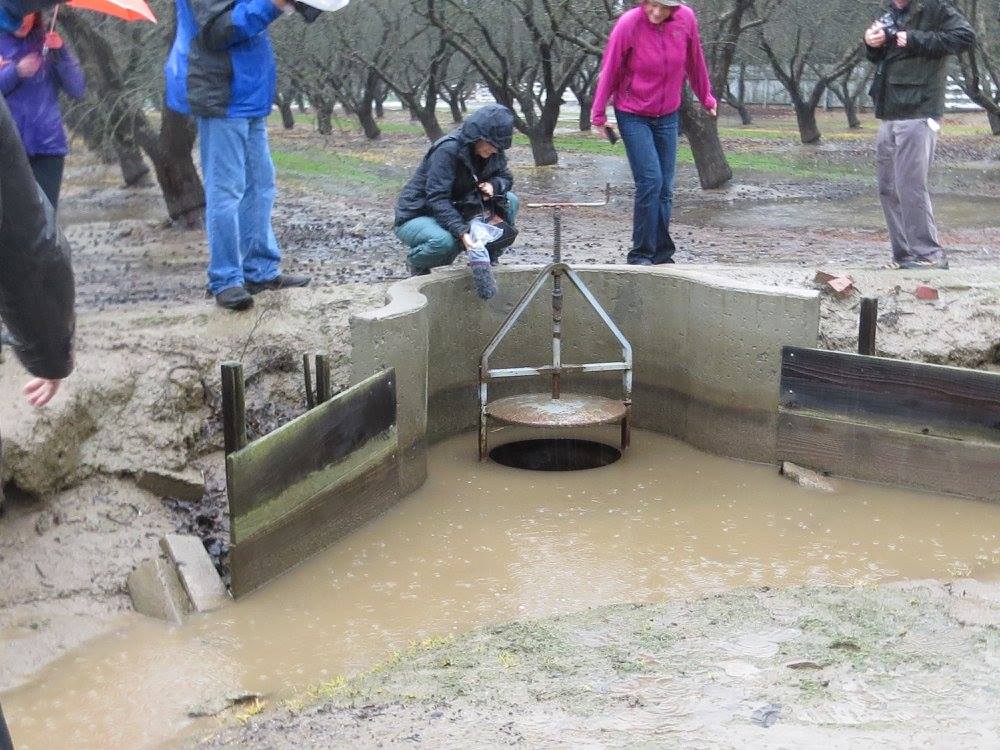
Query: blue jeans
{"type": "Point", "coordinates": [431, 245]}
{"type": "Point", "coordinates": [239, 195]}
{"type": "Point", "coordinates": [651, 145]}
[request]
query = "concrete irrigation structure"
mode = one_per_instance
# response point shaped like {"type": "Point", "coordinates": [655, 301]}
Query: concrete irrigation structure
{"type": "Point", "coordinates": [728, 367]}
{"type": "Point", "coordinates": [707, 352]}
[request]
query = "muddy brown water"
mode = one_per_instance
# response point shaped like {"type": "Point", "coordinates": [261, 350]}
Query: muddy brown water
{"type": "Point", "coordinates": [480, 543]}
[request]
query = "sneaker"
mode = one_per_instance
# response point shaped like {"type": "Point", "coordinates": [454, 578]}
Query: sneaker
{"type": "Point", "coordinates": [922, 263]}
{"type": "Point", "coordinates": [234, 298]}
{"type": "Point", "coordinates": [281, 281]}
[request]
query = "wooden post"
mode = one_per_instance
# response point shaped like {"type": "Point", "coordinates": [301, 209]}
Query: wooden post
{"type": "Point", "coordinates": [323, 391]}
{"type": "Point", "coordinates": [307, 376]}
{"type": "Point", "coordinates": [234, 417]}
{"type": "Point", "coordinates": [867, 326]}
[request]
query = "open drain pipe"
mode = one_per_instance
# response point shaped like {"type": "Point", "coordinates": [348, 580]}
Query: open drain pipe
{"type": "Point", "coordinates": [542, 410]}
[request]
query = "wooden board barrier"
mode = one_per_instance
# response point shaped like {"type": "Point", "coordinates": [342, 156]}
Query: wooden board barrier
{"type": "Point", "coordinates": [926, 426]}
{"type": "Point", "coordinates": [298, 489]}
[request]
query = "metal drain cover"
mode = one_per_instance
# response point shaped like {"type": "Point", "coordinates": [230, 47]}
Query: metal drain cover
{"type": "Point", "coordinates": [569, 410]}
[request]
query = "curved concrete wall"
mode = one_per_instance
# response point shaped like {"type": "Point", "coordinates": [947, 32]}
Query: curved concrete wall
{"type": "Point", "coordinates": [707, 351]}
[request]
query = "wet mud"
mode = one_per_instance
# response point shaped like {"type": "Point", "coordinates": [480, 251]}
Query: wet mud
{"type": "Point", "coordinates": [838, 668]}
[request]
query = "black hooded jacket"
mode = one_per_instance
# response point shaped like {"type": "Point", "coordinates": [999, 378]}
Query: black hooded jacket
{"type": "Point", "coordinates": [910, 82]}
{"type": "Point", "coordinates": [36, 278]}
{"type": "Point", "coordinates": [446, 183]}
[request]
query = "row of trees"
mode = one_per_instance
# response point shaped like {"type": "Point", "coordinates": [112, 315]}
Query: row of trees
{"type": "Point", "coordinates": [529, 54]}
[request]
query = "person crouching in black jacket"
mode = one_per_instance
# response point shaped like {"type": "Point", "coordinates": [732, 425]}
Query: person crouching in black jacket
{"type": "Point", "coordinates": [464, 175]}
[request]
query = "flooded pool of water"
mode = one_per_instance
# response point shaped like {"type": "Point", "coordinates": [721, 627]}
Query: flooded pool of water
{"type": "Point", "coordinates": [481, 543]}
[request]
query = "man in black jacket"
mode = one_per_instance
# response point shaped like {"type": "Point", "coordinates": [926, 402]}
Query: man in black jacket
{"type": "Point", "coordinates": [910, 45]}
{"type": "Point", "coordinates": [462, 176]}
{"type": "Point", "coordinates": [36, 281]}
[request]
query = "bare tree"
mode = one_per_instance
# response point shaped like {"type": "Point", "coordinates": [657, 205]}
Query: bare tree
{"type": "Point", "coordinates": [121, 93]}
{"type": "Point", "coordinates": [583, 88]}
{"type": "Point", "coordinates": [849, 89]}
{"type": "Point", "coordinates": [808, 57]}
{"type": "Point", "coordinates": [417, 69]}
{"type": "Point", "coordinates": [980, 66]}
{"type": "Point", "coordinates": [519, 52]}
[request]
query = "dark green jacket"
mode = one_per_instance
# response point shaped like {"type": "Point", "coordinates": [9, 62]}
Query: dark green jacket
{"type": "Point", "coordinates": [910, 81]}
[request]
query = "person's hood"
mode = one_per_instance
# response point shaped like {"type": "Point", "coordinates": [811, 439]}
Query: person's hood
{"type": "Point", "coordinates": [493, 123]}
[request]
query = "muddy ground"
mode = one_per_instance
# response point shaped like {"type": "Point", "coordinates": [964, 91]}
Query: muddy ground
{"type": "Point", "coordinates": [896, 666]}
{"type": "Point", "coordinates": [146, 391]}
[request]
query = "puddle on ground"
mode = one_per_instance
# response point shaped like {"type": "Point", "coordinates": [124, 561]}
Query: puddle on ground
{"type": "Point", "coordinates": [951, 210]}
{"type": "Point", "coordinates": [483, 543]}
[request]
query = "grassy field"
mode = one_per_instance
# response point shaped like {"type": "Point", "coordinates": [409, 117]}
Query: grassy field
{"type": "Point", "coordinates": [346, 158]}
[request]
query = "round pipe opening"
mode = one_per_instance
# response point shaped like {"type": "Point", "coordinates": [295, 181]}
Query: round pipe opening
{"type": "Point", "coordinates": [555, 454]}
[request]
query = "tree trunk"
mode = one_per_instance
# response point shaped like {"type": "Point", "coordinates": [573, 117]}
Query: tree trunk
{"type": "Point", "coordinates": [324, 116]}
{"type": "Point", "coordinates": [851, 111]}
{"type": "Point", "coordinates": [543, 147]}
{"type": "Point", "coordinates": [994, 118]}
{"type": "Point", "coordinates": [805, 115]}
{"type": "Point", "coordinates": [300, 101]}
{"type": "Point", "coordinates": [135, 171]}
{"type": "Point", "coordinates": [585, 124]}
{"type": "Point", "coordinates": [368, 123]}
{"type": "Point", "coordinates": [463, 105]}
{"type": "Point", "coordinates": [745, 117]}
{"type": "Point", "coordinates": [285, 107]}
{"type": "Point", "coordinates": [453, 105]}
{"type": "Point", "coordinates": [170, 152]}
{"type": "Point", "coordinates": [702, 132]}
{"type": "Point", "coordinates": [379, 108]}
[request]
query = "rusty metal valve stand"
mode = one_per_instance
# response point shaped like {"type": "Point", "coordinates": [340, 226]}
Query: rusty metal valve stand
{"type": "Point", "coordinates": [556, 409]}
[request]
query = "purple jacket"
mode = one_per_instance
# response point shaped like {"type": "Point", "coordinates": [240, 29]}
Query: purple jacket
{"type": "Point", "coordinates": [34, 102]}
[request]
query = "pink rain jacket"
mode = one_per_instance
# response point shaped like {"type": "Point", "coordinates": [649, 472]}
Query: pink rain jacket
{"type": "Point", "coordinates": [645, 64]}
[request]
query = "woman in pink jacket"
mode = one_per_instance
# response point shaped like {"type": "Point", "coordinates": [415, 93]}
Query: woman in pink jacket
{"type": "Point", "coordinates": [650, 52]}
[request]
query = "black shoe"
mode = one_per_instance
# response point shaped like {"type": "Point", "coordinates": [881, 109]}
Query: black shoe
{"type": "Point", "coordinates": [664, 261]}
{"type": "Point", "coordinates": [234, 298]}
{"type": "Point", "coordinates": [281, 281]}
{"type": "Point", "coordinates": [640, 262]}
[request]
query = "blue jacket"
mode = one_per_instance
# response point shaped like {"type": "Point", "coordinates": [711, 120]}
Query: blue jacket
{"type": "Point", "coordinates": [221, 63]}
{"type": "Point", "coordinates": [34, 101]}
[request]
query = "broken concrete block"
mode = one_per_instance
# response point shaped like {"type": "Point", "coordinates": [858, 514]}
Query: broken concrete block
{"type": "Point", "coordinates": [188, 484]}
{"type": "Point", "coordinates": [156, 590]}
{"type": "Point", "coordinates": [927, 293]}
{"type": "Point", "coordinates": [197, 573]}
{"type": "Point", "coordinates": [806, 477]}
{"type": "Point", "coordinates": [839, 284]}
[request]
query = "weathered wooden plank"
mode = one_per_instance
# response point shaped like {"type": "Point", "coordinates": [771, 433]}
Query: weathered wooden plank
{"type": "Point", "coordinates": [929, 399]}
{"type": "Point", "coordinates": [327, 445]}
{"type": "Point", "coordinates": [313, 526]}
{"type": "Point", "coordinates": [881, 454]}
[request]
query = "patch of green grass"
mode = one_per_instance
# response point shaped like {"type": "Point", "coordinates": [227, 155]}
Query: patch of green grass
{"type": "Point", "coordinates": [307, 121]}
{"type": "Point", "coordinates": [333, 166]}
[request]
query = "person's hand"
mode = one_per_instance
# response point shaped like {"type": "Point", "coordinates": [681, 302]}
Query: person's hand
{"type": "Point", "coordinates": [41, 390]}
{"type": "Point", "coordinates": [901, 39]}
{"type": "Point", "coordinates": [53, 40]}
{"type": "Point", "coordinates": [280, 4]}
{"type": "Point", "coordinates": [486, 189]}
{"type": "Point", "coordinates": [28, 65]}
{"type": "Point", "coordinates": [713, 111]}
{"type": "Point", "coordinates": [467, 241]}
{"type": "Point", "coordinates": [875, 36]}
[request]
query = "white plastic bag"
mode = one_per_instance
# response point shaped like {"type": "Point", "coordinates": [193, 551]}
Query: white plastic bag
{"type": "Point", "coordinates": [482, 234]}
